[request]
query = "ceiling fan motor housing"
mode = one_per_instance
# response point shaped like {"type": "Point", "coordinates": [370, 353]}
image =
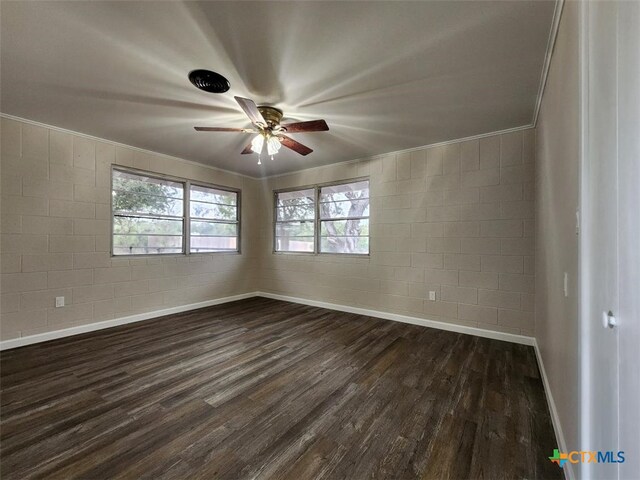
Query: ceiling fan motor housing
{"type": "Point", "coordinates": [272, 115]}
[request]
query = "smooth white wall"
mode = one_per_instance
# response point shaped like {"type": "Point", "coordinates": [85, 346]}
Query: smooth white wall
{"type": "Point", "coordinates": [557, 197]}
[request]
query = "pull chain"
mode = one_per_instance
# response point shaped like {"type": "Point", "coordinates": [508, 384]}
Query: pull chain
{"type": "Point", "coordinates": [259, 162]}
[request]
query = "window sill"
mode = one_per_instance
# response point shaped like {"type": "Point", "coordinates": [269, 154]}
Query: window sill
{"type": "Point", "coordinates": [165, 255]}
{"type": "Point", "coordinates": [317, 254]}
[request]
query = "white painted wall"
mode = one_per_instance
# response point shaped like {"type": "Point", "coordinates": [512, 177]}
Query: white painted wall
{"type": "Point", "coordinates": [557, 181]}
{"type": "Point", "coordinates": [588, 158]}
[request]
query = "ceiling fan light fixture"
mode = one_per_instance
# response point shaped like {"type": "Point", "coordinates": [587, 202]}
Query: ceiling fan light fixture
{"type": "Point", "coordinates": [266, 123]}
{"type": "Point", "coordinates": [257, 144]}
{"type": "Point", "coordinates": [273, 145]}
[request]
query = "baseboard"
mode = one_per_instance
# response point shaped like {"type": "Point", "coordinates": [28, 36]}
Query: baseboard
{"type": "Point", "coordinates": [555, 419]}
{"type": "Point", "coordinates": [91, 327]}
{"type": "Point", "coordinates": [478, 332]}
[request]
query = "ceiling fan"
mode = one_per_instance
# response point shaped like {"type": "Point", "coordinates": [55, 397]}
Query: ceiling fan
{"type": "Point", "coordinates": [270, 133]}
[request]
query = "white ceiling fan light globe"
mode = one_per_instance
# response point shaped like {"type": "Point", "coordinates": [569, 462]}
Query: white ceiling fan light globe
{"type": "Point", "coordinates": [257, 144]}
{"type": "Point", "coordinates": [273, 145]}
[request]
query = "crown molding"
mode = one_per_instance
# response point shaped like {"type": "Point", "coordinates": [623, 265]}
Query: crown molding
{"type": "Point", "coordinates": [407, 150]}
{"type": "Point", "coordinates": [124, 145]}
{"type": "Point", "coordinates": [551, 43]}
{"type": "Point", "coordinates": [346, 162]}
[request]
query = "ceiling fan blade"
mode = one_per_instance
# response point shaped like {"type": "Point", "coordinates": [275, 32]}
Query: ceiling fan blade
{"type": "Point", "coordinates": [295, 146]}
{"type": "Point", "coordinates": [225, 129]}
{"type": "Point", "coordinates": [310, 126]}
{"type": "Point", "coordinates": [251, 109]}
{"type": "Point", "coordinates": [247, 150]}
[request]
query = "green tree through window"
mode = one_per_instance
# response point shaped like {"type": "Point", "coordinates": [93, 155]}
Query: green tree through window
{"type": "Point", "coordinates": [147, 214]}
{"type": "Point", "coordinates": [343, 223]}
{"type": "Point", "coordinates": [295, 221]}
{"type": "Point", "coordinates": [344, 218]}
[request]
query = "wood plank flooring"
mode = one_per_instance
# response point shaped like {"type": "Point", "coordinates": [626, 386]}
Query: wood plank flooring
{"type": "Point", "coordinates": [266, 389]}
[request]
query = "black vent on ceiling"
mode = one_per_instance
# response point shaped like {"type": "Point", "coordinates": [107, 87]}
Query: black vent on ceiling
{"type": "Point", "coordinates": [209, 81]}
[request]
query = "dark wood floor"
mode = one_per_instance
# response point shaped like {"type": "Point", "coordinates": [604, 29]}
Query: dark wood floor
{"type": "Point", "coordinates": [267, 389]}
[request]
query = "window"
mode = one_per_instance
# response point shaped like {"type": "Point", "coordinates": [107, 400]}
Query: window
{"type": "Point", "coordinates": [344, 218]}
{"type": "Point", "coordinates": [147, 215]}
{"type": "Point", "coordinates": [214, 220]}
{"type": "Point", "coordinates": [295, 221]}
{"type": "Point", "coordinates": [324, 219]}
{"type": "Point", "coordinates": [150, 216]}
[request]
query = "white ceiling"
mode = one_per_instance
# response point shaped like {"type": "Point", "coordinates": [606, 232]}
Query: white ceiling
{"type": "Point", "coordinates": [385, 76]}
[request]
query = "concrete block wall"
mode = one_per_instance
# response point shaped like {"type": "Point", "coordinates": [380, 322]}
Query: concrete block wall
{"type": "Point", "coordinates": [456, 219]}
{"type": "Point", "coordinates": [55, 236]}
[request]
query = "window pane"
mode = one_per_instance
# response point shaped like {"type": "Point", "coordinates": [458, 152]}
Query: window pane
{"type": "Point", "coordinates": [144, 250]}
{"type": "Point", "coordinates": [212, 195]}
{"type": "Point", "coordinates": [343, 209]}
{"type": "Point", "coordinates": [208, 235]}
{"type": "Point", "coordinates": [125, 202]}
{"type": "Point", "coordinates": [346, 191]}
{"type": "Point", "coordinates": [213, 212]}
{"type": "Point", "coordinates": [353, 228]}
{"type": "Point", "coordinates": [214, 229]}
{"type": "Point", "coordinates": [298, 197]}
{"type": "Point", "coordinates": [350, 203]}
{"type": "Point", "coordinates": [294, 244]}
{"type": "Point", "coordinates": [137, 183]}
{"type": "Point", "coordinates": [358, 245]}
{"type": "Point", "coordinates": [141, 225]}
{"type": "Point", "coordinates": [201, 244]}
{"type": "Point", "coordinates": [141, 205]}
{"type": "Point", "coordinates": [133, 193]}
{"type": "Point", "coordinates": [295, 229]}
{"type": "Point", "coordinates": [146, 244]}
{"type": "Point", "coordinates": [295, 221]}
{"type": "Point", "coordinates": [296, 212]}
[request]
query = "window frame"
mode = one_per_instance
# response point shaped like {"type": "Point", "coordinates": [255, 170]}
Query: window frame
{"type": "Point", "coordinates": [186, 212]}
{"type": "Point", "coordinates": [237, 191]}
{"type": "Point", "coordinates": [315, 218]}
{"type": "Point", "coordinates": [317, 222]}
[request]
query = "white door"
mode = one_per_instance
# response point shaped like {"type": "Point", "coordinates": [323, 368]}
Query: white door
{"type": "Point", "coordinates": [610, 243]}
{"type": "Point", "coordinates": [629, 234]}
{"type": "Point", "coordinates": [599, 241]}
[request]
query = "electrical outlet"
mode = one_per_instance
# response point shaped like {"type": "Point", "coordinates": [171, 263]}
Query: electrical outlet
{"type": "Point", "coordinates": [59, 302]}
{"type": "Point", "coordinates": [432, 296]}
{"type": "Point", "coordinates": [566, 284]}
